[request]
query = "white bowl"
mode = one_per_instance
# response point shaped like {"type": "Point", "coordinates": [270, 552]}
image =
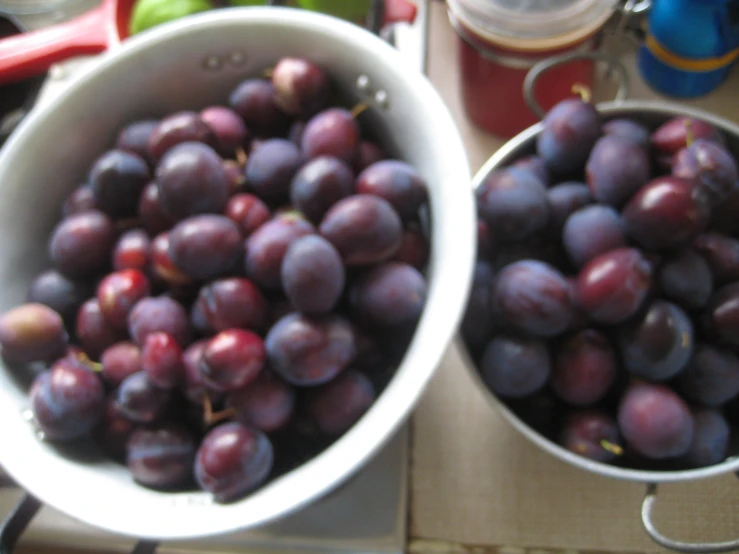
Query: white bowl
{"type": "Point", "coordinates": [187, 65]}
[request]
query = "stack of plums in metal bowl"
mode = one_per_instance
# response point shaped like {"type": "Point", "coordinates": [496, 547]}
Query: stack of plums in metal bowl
{"type": "Point", "coordinates": [604, 312]}
{"type": "Point", "coordinates": [230, 290]}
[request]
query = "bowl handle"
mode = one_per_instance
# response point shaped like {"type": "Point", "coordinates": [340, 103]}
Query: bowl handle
{"type": "Point", "coordinates": [533, 75]}
{"type": "Point", "coordinates": [679, 546]}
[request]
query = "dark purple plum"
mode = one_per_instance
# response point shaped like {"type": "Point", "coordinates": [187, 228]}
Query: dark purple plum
{"type": "Point", "coordinates": [81, 244]}
{"type": "Point", "coordinates": [565, 199]}
{"type": "Point", "coordinates": [235, 175]}
{"type": "Point", "coordinates": [672, 136]}
{"type": "Point", "coordinates": [535, 165]}
{"type": "Point", "coordinates": [313, 275]}
{"type": "Point", "coordinates": [266, 404]}
{"type": "Point", "coordinates": [711, 377]}
{"type": "Point", "coordinates": [232, 359]}
{"type": "Point", "coordinates": [710, 439]}
{"type": "Point", "coordinates": [140, 401]}
{"type": "Point", "coordinates": [177, 128]}
{"type": "Point", "coordinates": [319, 184]}
{"type": "Point", "coordinates": [570, 130]}
{"type": "Point", "coordinates": [514, 203]}
{"type": "Point", "coordinates": [533, 297]}
{"type": "Point", "coordinates": [390, 295]}
{"type": "Point", "coordinates": [193, 386]}
{"type": "Point", "coordinates": [161, 360]}
{"type": "Point", "coordinates": [160, 313]}
{"type": "Point", "coordinates": [161, 456]}
{"type": "Point", "coordinates": [191, 181]}
{"type": "Point", "coordinates": [135, 137]}
{"type": "Point", "coordinates": [337, 405]}
{"type": "Point", "coordinates": [584, 368]}
{"type": "Point", "coordinates": [310, 351]}
{"type": "Point", "coordinates": [61, 294]}
{"type": "Point", "coordinates": [613, 286]}
{"type": "Point", "coordinates": [723, 314]}
{"type": "Point", "coordinates": [295, 134]}
{"type": "Point", "coordinates": [723, 217]}
{"type": "Point", "coordinates": [270, 169]}
{"type": "Point", "coordinates": [81, 199]}
{"type": "Point", "coordinates": [710, 167]}
{"type": "Point", "coordinates": [397, 182]}
{"type": "Point", "coordinates": [658, 344]}
{"type": "Point", "coordinates": [331, 132]}
{"type": "Point", "coordinates": [117, 179]}
{"type": "Point", "coordinates": [515, 366]}
{"type": "Point", "coordinates": [616, 169]}
{"type": "Point", "coordinates": [254, 101]}
{"type": "Point", "coordinates": [233, 302]}
{"type": "Point", "coordinates": [414, 248]}
{"type": "Point", "coordinates": [364, 228]}
{"type": "Point", "coordinates": [67, 401]}
{"type": "Point", "coordinates": [232, 460]}
{"type": "Point", "coordinates": [486, 242]}
{"type": "Point", "coordinates": [301, 87]}
{"type": "Point", "coordinates": [628, 129]}
{"type": "Point", "coordinates": [206, 246]}
{"type": "Point", "coordinates": [113, 430]}
{"type": "Point", "coordinates": [655, 421]}
{"type": "Point", "coordinates": [153, 217]}
{"type": "Point", "coordinates": [248, 212]}
{"type": "Point", "coordinates": [93, 331]}
{"type": "Point", "coordinates": [367, 154]}
{"type": "Point", "coordinates": [592, 434]}
{"type": "Point", "coordinates": [118, 292]}
{"type": "Point", "coordinates": [119, 361]}
{"type": "Point", "coordinates": [591, 231]}
{"type": "Point", "coordinates": [162, 265]}
{"type": "Point", "coordinates": [686, 279]}
{"type": "Point", "coordinates": [721, 252]}
{"type": "Point", "coordinates": [478, 322]}
{"type": "Point", "coordinates": [228, 128]}
{"type": "Point", "coordinates": [132, 251]}
{"type": "Point", "coordinates": [265, 248]}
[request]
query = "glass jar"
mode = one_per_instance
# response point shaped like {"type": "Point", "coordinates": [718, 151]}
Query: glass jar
{"type": "Point", "coordinates": [498, 42]}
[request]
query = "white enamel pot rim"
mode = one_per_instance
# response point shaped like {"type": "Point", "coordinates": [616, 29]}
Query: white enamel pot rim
{"type": "Point", "coordinates": [523, 143]}
{"type": "Point", "coordinates": [164, 69]}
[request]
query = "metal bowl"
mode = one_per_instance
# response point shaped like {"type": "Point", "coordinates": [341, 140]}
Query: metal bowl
{"type": "Point", "coordinates": [189, 64]}
{"type": "Point", "coordinates": [652, 114]}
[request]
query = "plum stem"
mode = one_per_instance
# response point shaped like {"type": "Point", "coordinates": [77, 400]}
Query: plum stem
{"type": "Point", "coordinates": [85, 359]}
{"type": "Point", "coordinates": [689, 135]}
{"type": "Point", "coordinates": [611, 447]}
{"type": "Point", "coordinates": [128, 223]}
{"type": "Point", "coordinates": [586, 95]}
{"type": "Point", "coordinates": [241, 156]}
{"type": "Point", "coordinates": [210, 417]}
{"type": "Point", "coordinates": [358, 109]}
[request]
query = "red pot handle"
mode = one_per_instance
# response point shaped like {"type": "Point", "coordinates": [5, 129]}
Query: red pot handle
{"type": "Point", "coordinates": [399, 11]}
{"type": "Point", "coordinates": [28, 54]}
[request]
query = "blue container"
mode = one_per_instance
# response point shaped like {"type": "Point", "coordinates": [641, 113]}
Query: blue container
{"type": "Point", "coordinates": [691, 45]}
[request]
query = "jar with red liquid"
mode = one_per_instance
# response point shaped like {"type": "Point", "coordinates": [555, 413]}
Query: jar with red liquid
{"type": "Point", "coordinates": [499, 41]}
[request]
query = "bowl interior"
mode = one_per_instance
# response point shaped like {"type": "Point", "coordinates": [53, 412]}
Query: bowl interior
{"type": "Point", "coordinates": [651, 114]}
{"type": "Point", "coordinates": [188, 65]}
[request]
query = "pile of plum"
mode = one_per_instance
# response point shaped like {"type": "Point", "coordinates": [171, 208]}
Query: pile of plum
{"type": "Point", "coordinates": [230, 289]}
{"type": "Point", "coordinates": [605, 305]}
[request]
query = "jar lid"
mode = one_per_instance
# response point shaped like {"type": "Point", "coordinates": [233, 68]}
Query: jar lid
{"type": "Point", "coordinates": [532, 24]}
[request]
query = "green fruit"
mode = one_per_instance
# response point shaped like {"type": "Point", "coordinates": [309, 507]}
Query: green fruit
{"type": "Point", "coordinates": [353, 10]}
{"type": "Point", "coordinates": [150, 13]}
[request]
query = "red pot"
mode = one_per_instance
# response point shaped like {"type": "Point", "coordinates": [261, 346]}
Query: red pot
{"type": "Point", "coordinates": [499, 41]}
